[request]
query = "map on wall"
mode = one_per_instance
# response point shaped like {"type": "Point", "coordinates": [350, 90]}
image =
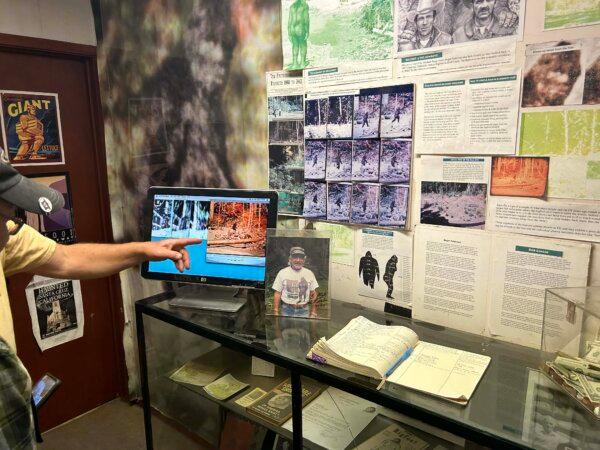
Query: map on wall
{"type": "Point", "coordinates": [325, 32]}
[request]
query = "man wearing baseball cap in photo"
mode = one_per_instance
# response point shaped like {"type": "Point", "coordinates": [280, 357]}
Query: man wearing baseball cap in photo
{"type": "Point", "coordinates": [295, 288]}
{"type": "Point", "coordinates": [23, 249]}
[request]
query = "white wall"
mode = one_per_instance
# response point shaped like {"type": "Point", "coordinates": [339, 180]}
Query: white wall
{"type": "Point", "coordinates": [59, 20]}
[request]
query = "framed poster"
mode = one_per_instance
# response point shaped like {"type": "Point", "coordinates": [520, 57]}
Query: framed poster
{"type": "Point", "coordinates": [60, 225]}
{"type": "Point", "coordinates": [31, 128]}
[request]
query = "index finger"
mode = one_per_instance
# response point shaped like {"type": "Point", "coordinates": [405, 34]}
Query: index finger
{"type": "Point", "coordinates": [186, 241]}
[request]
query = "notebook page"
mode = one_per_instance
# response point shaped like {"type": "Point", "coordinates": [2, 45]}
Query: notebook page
{"type": "Point", "coordinates": [442, 371]}
{"type": "Point", "coordinates": [378, 346]}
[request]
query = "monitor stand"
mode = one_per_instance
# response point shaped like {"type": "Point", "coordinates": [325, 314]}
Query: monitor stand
{"type": "Point", "coordinates": [211, 298]}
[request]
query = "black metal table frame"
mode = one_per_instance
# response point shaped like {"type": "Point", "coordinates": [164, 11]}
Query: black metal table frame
{"type": "Point", "coordinates": [297, 370]}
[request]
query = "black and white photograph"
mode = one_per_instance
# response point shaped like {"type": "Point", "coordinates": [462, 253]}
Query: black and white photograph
{"type": "Point", "coordinates": [315, 200]}
{"type": "Point", "coordinates": [365, 160]}
{"type": "Point", "coordinates": [393, 205]}
{"type": "Point", "coordinates": [339, 196]}
{"type": "Point", "coordinates": [56, 310]}
{"type": "Point", "coordinates": [395, 161]}
{"type": "Point", "coordinates": [367, 106]}
{"type": "Point", "coordinates": [339, 122]}
{"type": "Point", "coordinates": [297, 277]}
{"type": "Point", "coordinates": [315, 155]}
{"type": "Point", "coordinates": [397, 111]}
{"type": "Point", "coordinates": [286, 132]}
{"type": "Point", "coordinates": [453, 204]}
{"type": "Point", "coordinates": [161, 217]}
{"type": "Point", "coordinates": [183, 218]}
{"type": "Point", "coordinates": [286, 167]}
{"type": "Point", "coordinates": [437, 23]}
{"type": "Point", "coordinates": [339, 161]}
{"type": "Point", "coordinates": [315, 118]}
{"type": "Point", "coordinates": [286, 176]}
{"type": "Point", "coordinates": [365, 203]}
{"type": "Point", "coordinates": [286, 107]}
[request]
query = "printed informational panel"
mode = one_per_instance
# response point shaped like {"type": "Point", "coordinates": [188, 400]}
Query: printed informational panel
{"type": "Point", "coordinates": [468, 115]}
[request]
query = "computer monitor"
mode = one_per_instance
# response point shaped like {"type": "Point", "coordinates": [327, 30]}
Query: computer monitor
{"type": "Point", "coordinates": [232, 224]}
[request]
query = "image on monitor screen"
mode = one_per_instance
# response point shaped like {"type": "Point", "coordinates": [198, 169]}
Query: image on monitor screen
{"type": "Point", "coordinates": [233, 232]}
{"type": "Point", "coordinates": [237, 232]}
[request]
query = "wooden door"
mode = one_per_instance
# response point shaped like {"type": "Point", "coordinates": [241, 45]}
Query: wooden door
{"type": "Point", "coordinates": [91, 368]}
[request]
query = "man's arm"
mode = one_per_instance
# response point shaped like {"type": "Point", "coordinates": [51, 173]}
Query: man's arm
{"type": "Point", "coordinates": [83, 261]}
{"type": "Point", "coordinates": [276, 302]}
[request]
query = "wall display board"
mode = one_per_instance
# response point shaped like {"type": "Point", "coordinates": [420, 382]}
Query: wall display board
{"type": "Point", "coordinates": [58, 226]}
{"type": "Point", "coordinates": [433, 36]}
{"type": "Point", "coordinates": [472, 114]}
{"type": "Point", "coordinates": [285, 112]}
{"type": "Point", "coordinates": [358, 155]}
{"type": "Point", "coordinates": [31, 128]}
{"type": "Point", "coordinates": [560, 114]}
{"type": "Point", "coordinates": [489, 283]}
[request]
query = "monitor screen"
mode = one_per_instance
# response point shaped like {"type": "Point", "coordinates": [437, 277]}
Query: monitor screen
{"type": "Point", "coordinates": [232, 225]}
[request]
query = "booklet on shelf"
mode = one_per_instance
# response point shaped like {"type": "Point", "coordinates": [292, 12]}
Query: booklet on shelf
{"type": "Point", "coordinates": [225, 387]}
{"type": "Point", "coordinates": [276, 405]}
{"type": "Point", "coordinates": [395, 354]}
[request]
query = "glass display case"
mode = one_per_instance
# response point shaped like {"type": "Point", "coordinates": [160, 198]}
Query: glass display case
{"type": "Point", "coordinates": [514, 405]}
{"type": "Point", "coordinates": [571, 341]}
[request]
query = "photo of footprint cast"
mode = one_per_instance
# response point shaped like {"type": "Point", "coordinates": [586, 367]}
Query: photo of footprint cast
{"type": "Point", "coordinates": [358, 155]}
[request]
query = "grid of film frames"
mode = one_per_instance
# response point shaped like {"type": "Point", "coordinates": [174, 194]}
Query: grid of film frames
{"type": "Point", "coordinates": [358, 155]}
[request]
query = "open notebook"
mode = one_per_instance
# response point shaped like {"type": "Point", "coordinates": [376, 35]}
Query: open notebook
{"type": "Point", "coordinates": [395, 354]}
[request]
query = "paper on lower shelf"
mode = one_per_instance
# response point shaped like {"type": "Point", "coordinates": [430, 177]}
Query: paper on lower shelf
{"type": "Point", "coordinates": [335, 418]}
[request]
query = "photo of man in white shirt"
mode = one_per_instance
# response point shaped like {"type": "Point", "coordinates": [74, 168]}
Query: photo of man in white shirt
{"type": "Point", "coordinates": [295, 288]}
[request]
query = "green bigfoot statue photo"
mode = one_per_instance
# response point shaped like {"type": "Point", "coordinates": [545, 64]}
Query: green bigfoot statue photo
{"type": "Point", "coordinates": [298, 30]}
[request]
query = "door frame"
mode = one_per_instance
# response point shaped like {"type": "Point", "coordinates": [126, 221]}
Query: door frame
{"type": "Point", "coordinates": [88, 56]}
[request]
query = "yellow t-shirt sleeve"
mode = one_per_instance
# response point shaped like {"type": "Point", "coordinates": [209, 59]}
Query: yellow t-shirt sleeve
{"type": "Point", "coordinates": [27, 250]}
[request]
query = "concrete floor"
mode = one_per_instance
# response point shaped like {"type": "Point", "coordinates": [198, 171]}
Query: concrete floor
{"type": "Point", "coordinates": [114, 425]}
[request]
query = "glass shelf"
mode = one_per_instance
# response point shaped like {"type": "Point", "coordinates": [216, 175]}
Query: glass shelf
{"type": "Point", "coordinates": [499, 412]}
